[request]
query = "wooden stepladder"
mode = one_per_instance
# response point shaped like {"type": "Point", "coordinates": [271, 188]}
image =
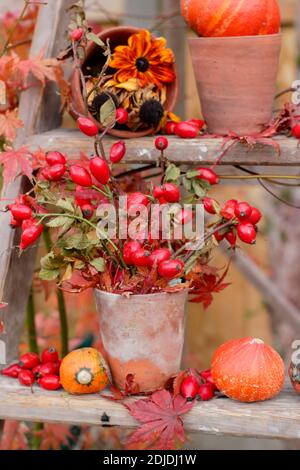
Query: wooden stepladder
{"type": "Point", "coordinates": [40, 111]}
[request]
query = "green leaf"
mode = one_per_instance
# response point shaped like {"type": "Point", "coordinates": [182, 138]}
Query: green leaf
{"type": "Point", "coordinates": [99, 264]}
{"type": "Point", "coordinates": [199, 190]}
{"type": "Point", "coordinates": [51, 261]}
{"type": "Point", "coordinates": [79, 241]}
{"type": "Point", "coordinates": [187, 184]}
{"type": "Point", "coordinates": [59, 221]}
{"type": "Point", "coordinates": [192, 174]}
{"type": "Point", "coordinates": [172, 173]}
{"type": "Point", "coordinates": [108, 113]}
{"type": "Point", "coordinates": [66, 204]}
{"type": "Point", "coordinates": [49, 274]}
{"type": "Point", "coordinates": [93, 37]}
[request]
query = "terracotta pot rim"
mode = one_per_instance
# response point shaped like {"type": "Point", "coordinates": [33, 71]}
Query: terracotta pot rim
{"type": "Point", "coordinates": [236, 38]}
{"type": "Point", "coordinates": [136, 296]}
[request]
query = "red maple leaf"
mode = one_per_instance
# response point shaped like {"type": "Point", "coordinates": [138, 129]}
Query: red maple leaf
{"type": "Point", "coordinates": [42, 69]}
{"type": "Point", "coordinates": [162, 426]}
{"type": "Point", "coordinates": [207, 285]}
{"type": "Point", "coordinates": [9, 123]}
{"type": "Point", "coordinates": [16, 162]}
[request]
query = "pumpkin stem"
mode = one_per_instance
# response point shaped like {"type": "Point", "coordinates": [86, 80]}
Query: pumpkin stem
{"type": "Point", "coordinates": [84, 377]}
{"type": "Point", "coordinates": [257, 341]}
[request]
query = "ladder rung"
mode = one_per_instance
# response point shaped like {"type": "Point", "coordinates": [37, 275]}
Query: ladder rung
{"type": "Point", "coordinates": [278, 418]}
{"type": "Point", "coordinates": [193, 152]}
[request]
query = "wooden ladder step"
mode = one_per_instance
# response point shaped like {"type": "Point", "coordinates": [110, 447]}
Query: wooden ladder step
{"type": "Point", "coordinates": [275, 419]}
{"type": "Point", "coordinates": [192, 152]}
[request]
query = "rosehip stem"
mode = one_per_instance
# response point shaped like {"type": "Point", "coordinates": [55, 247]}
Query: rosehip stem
{"type": "Point", "coordinates": [204, 239]}
{"type": "Point", "coordinates": [258, 176]}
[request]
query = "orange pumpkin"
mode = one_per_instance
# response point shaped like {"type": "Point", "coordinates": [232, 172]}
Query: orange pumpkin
{"type": "Point", "coordinates": [83, 371]}
{"type": "Point", "coordinates": [232, 17]}
{"type": "Point", "coordinates": [294, 373]}
{"type": "Point", "coordinates": [248, 370]}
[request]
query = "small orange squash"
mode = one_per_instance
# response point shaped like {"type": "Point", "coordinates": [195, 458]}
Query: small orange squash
{"type": "Point", "coordinates": [219, 18]}
{"type": "Point", "coordinates": [248, 370]}
{"type": "Point", "coordinates": [83, 371]}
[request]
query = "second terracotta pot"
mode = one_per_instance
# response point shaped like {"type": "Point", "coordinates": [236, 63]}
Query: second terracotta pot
{"type": "Point", "coordinates": [236, 80]}
{"type": "Point", "coordinates": [94, 58]}
{"type": "Point", "coordinates": [142, 335]}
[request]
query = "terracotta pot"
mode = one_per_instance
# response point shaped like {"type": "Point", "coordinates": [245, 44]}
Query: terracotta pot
{"type": "Point", "coordinates": [117, 36]}
{"type": "Point", "coordinates": [236, 78]}
{"type": "Point", "coordinates": [142, 335]}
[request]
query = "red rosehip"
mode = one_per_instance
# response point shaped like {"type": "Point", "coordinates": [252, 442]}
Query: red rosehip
{"type": "Point", "coordinates": [243, 211]}
{"type": "Point", "coordinates": [30, 235]}
{"type": "Point", "coordinates": [128, 249]}
{"type": "Point", "coordinates": [158, 192]}
{"type": "Point", "coordinates": [255, 216]}
{"type": "Point", "coordinates": [140, 257]}
{"type": "Point", "coordinates": [184, 217]}
{"type": "Point", "coordinates": [29, 361]}
{"type": "Point", "coordinates": [208, 175]}
{"type": "Point", "coordinates": [20, 212]}
{"type": "Point", "coordinates": [136, 199]}
{"type": "Point", "coordinates": [210, 205]}
{"type": "Point", "coordinates": [55, 158]}
{"type": "Point", "coordinates": [54, 173]}
{"type": "Point", "coordinates": [228, 212]}
{"type": "Point", "coordinates": [15, 223]}
{"type": "Point", "coordinates": [219, 235]}
{"type": "Point", "coordinates": [87, 126]}
{"type": "Point", "coordinates": [159, 255]}
{"type": "Point", "coordinates": [79, 175]}
{"type": "Point", "coordinates": [50, 382]}
{"type": "Point", "coordinates": [49, 355]}
{"type": "Point", "coordinates": [246, 233]}
{"type": "Point", "coordinates": [296, 131]}
{"type": "Point", "coordinates": [48, 368]}
{"type": "Point", "coordinates": [100, 170]}
{"type": "Point", "coordinates": [87, 211]}
{"type": "Point", "coordinates": [198, 123]}
{"type": "Point", "coordinates": [117, 152]}
{"type": "Point", "coordinates": [171, 268]}
{"type": "Point", "coordinates": [189, 388]}
{"type": "Point", "coordinates": [161, 143]}
{"type": "Point", "coordinates": [171, 192]}
{"type": "Point", "coordinates": [231, 238]}
{"type": "Point", "coordinates": [186, 130]}
{"type": "Point", "coordinates": [121, 116]}
{"type": "Point", "coordinates": [11, 371]}
{"type": "Point", "coordinates": [76, 34]}
{"type": "Point", "coordinates": [26, 378]}
{"type": "Point", "coordinates": [170, 128]}
{"type": "Point", "coordinates": [206, 392]}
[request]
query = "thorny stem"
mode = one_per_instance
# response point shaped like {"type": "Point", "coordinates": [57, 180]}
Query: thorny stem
{"type": "Point", "coordinates": [204, 239]}
{"type": "Point", "coordinates": [78, 67]}
{"type": "Point", "coordinates": [104, 68]}
{"type": "Point", "coordinates": [7, 45]}
{"type": "Point", "coordinates": [18, 44]}
{"type": "Point", "coordinates": [64, 329]}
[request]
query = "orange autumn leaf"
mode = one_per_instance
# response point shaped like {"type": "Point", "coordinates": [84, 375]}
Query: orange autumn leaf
{"type": "Point", "coordinates": [9, 124]}
{"type": "Point", "coordinates": [53, 436]}
{"type": "Point", "coordinates": [16, 162]}
{"type": "Point", "coordinates": [42, 69]}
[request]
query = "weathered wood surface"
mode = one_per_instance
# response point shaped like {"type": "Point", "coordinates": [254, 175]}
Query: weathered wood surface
{"type": "Point", "coordinates": [39, 110]}
{"type": "Point", "coordinates": [278, 418]}
{"type": "Point", "coordinates": [192, 152]}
